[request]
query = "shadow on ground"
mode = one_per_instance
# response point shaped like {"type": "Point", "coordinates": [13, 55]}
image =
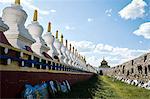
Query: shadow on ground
{"type": "Point", "coordinates": [93, 88]}
{"type": "Point", "coordinates": [103, 87]}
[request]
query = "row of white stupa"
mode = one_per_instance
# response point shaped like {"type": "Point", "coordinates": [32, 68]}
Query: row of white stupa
{"type": "Point", "coordinates": [19, 36]}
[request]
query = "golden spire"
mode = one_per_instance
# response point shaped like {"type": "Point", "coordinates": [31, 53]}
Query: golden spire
{"type": "Point", "coordinates": [76, 52]}
{"type": "Point", "coordinates": [73, 49]}
{"type": "Point", "coordinates": [17, 2]}
{"type": "Point", "coordinates": [49, 27]}
{"type": "Point", "coordinates": [61, 38]}
{"type": "Point", "coordinates": [84, 59]}
{"type": "Point", "coordinates": [103, 58]}
{"type": "Point", "coordinates": [66, 44]}
{"type": "Point", "coordinates": [70, 47]}
{"type": "Point", "coordinates": [35, 17]}
{"type": "Point", "coordinates": [57, 34]}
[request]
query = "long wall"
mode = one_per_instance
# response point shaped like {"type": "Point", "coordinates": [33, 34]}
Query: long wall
{"type": "Point", "coordinates": [13, 82]}
{"type": "Point", "coordinates": [138, 68]}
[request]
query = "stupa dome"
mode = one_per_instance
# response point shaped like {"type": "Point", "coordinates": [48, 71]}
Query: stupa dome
{"type": "Point", "coordinates": [35, 29]}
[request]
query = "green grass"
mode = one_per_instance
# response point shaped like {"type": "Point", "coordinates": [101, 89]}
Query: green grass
{"type": "Point", "coordinates": [125, 91]}
{"type": "Point", "coordinates": [103, 87]}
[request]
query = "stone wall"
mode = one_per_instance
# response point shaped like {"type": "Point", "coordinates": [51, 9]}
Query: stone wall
{"type": "Point", "coordinates": [138, 68]}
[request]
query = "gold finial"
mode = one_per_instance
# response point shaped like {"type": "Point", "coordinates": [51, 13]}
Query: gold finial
{"type": "Point", "coordinates": [62, 38]}
{"type": "Point", "coordinates": [35, 17]}
{"type": "Point", "coordinates": [84, 59]}
{"type": "Point", "coordinates": [70, 47]}
{"type": "Point", "coordinates": [76, 52]}
{"type": "Point", "coordinates": [49, 27]}
{"type": "Point", "coordinates": [103, 58]}
{"type": "Point", "coordinates": [17, 2]}
{"type": "Point", "coordinates": [73, 49]}
{"type": "Point", "coordinates": [66, 44]}
{"type": "Point", "coordinates": [57, 34]}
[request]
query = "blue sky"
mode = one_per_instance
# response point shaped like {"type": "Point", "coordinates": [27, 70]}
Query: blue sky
{"type": "Point", "coordinates": [95, 27]}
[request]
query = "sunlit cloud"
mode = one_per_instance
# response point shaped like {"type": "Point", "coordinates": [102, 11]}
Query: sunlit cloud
{"type": "Point", "coordinates": [136, 9]}
{"type": "Point", "coordinates": [143, 30]}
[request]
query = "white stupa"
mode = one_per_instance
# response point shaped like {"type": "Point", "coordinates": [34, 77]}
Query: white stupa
{"type": "Point", "coordinates": [70, 55]}
{"type": "Point", "coordinates": [36, 30]}
{"type": "Point", "coordinates": [73, 56]}
{"type": "Point", "coordinates": [15, 17]}
{"type": "Point", "coordinates": [66, 53]}
{"type": "Point", "coordinates": [58, 45]}
{"type": "Point", "coordinates": [83, 62]}
{"type": "Point", "coordinates": [49, 39]}
{"type": "Point", "coordinates": [78, 61]}
{"type": "Point", "coordinates": [63, 50]}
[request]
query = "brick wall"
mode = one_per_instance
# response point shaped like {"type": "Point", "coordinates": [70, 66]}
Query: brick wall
{"type": "Point", "coordinates": [13, 82]}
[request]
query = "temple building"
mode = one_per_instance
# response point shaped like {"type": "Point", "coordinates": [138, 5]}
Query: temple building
{"type": "Point", "coordinates": [103, 67]}
{"type": "Point", "coordinates": [104, 64]}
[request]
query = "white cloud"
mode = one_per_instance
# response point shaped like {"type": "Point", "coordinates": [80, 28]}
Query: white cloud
{"type": "Point", "coordinates": [102, 47]}
{"type": "Point", "coordinates": [133, 10]}
{"type": "Point", "coordinates": [53, 11]}
{"type": "Point", "coordinates": [6, 1]}
{"type": "Point", "coordinates": [144, 30]}
{"type": "Point", "coordinates": [29, 4]}
{"type": "Point", "coordinates": [114, 55]}
{"type": "Point", "coordinates": [90, 19]}
{"type": "Point", "coordinates": [108, 12]}
{"type": "Point", "coordinates": [69, 28]}
{"type": "Point", "coordinates": [83, 46]}
{"type": "Point", "coordinates": [93, 61]}
{"type": "Point", "coordinates": [140, 42]}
